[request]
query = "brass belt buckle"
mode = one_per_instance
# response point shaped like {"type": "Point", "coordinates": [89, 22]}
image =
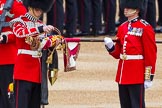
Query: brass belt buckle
{"type": "Point", "coordinates": [124, 57]}
{"type": "Point", "coordinates": [39, 53]}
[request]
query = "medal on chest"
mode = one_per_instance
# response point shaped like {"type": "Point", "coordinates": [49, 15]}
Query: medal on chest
{"type": "Point", "coordinates": [135, 31]}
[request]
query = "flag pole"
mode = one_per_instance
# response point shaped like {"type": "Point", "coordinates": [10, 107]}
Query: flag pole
{"type": "Point", "coordinates": [100, 40]}
{"type": "Point", "coordinates": [158, 41]}
{"type": "Point", "coordinates": [94, 40]}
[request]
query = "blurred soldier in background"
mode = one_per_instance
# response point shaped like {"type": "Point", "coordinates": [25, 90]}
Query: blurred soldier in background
{"type": "Point", "coordinates": [149, 12]}
{"type": "Point", "coordinates": [8, 50]}
{"type": "Point", "coordinates": [55, 16]}
{"type": "Point", "coordinates": [122, 17]}
{"type": "Point", "coordinates": [70, 17]}
{"type": "Point", "coordinates": [159, 22]}
{"type": "Point", "coordinates": [88, 8]}
{"type": "Point", "coordinates": [109, 9]}
{"type": "Point", "coordinates": [64, 21]}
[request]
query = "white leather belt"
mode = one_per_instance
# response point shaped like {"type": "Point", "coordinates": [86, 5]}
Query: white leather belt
{"type": "Point", "coordinates": [130, 57]}
{"type": "Point", "coordinates": [35, 54]}
{"type": "Point", "coordinates": [6, 33]}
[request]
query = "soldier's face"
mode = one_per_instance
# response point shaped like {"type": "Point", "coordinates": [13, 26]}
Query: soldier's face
{"type": "Point", "coordinates": [37, 12]}
{"type": "Point", "coordinates": [128, 12]}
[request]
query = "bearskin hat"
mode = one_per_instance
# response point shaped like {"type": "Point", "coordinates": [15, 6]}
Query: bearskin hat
{"type": "Point", "coordinates": [134, 4]}
{"type": "Point", "coordinates": [45, 5]}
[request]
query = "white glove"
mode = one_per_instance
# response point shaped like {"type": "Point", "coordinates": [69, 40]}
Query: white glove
{"type": "Point", "coordinates": [108, 42]}
{"type": "Point", "coordinates": [48, 28]}
{"type": "Point", "coordinates": [147, 84]}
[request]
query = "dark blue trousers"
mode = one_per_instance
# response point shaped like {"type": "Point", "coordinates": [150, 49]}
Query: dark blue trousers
{"type": "Point", "coordinates": [6, 77]}
{"type": "Point", "coordinates": [132, 96]}
{"type": "Point", "coordinates": [55, 16]}
{"type": "Point", "coordinates": [27, 94]}
{"type": "Point", "coordinates": [109, 11]}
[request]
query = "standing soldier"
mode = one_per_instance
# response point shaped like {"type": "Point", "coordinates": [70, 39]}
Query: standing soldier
{"type": "Point", "coordinates": [159, 22]}
{"type": "Point", "coordinates": [150, 12]}
{"type": "Point", "coordinates": [55, 16]}
{"type": "Point", "coordinates": [8, 50]}
{"type": "Point", "coordinates": [136, 66]}
{"type": "Point", "coordinates": [88, 8]}
{"type": "Point", "coordinates": [109, 9]}
{"type": "Point", "coordinates": [70, 17]}
{"type": "Point", "coordinates": [122, 17]}
{"type": "Point", "coordinates": [29, 31]}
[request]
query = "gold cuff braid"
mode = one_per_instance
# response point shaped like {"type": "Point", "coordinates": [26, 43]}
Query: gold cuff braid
{"type": "Point", "coordinates": [148, 73]}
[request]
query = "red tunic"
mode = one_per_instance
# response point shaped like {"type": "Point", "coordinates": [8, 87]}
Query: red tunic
{"type": "Point", "coordinates": [8, 51]}
{"type": "Point", "coordinates": [27, 67]}
{"type": "Point", "coordinates": [135, 38]}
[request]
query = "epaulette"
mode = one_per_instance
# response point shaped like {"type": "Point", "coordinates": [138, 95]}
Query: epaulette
{"type": "Point", "coordinates": [19, 19]}
{"type": "Point", "coordinates": [144, 22]}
